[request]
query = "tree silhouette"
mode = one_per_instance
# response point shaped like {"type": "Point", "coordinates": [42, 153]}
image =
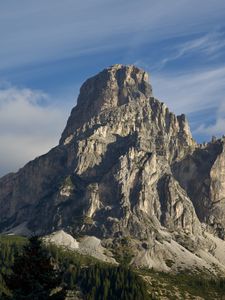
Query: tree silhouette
{"type": "Point", "coordinates": [33, 274]}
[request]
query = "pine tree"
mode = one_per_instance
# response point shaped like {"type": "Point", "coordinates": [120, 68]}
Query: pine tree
{"type": "Point", "coordinates": [33, 275]}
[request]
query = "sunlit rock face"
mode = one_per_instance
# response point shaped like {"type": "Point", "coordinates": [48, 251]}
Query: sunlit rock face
{"type": "Point", "coordinates": [125, 166]}
{"type": "Point", "coordinates": [111, 88]}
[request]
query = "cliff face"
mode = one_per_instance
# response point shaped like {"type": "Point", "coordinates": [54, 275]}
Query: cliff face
{"type": "Point", "coordinates": [202, 175]}
{"type": "Point", "coordinates": [125, 166]}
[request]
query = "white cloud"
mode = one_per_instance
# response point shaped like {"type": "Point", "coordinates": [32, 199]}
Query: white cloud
{"type": "Point", "coordinates": [217, 128]}
{"type": "Point", "coordinates": [29, 126]}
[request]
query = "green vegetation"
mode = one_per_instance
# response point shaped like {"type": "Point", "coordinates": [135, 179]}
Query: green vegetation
{"type": "Point", "coordinates": [113, 283]}
{"type": "Point", "coordinates": [94, 279]}
{"type": "Point", "coordinates": [68, 182]}
{"type": "Point", "coordinates": [33, 274]}
{"type": "Point", "coordinates": [184, 285]}
{"type": "Point", "coordinates": [10, 246]}
{"type": "Point", "coordinates": [98, 280]}
{"type": "Point", "coordinates": [122, 251]}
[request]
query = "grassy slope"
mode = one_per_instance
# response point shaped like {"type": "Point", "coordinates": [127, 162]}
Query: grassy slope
{"type": "Point", "coordinates": [184, 285]}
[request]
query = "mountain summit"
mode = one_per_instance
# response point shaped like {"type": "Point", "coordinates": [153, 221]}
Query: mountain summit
{"type": "Point", "coordinates": [125, 167]}
{"type": "Point", "coordinates": [113, 87]}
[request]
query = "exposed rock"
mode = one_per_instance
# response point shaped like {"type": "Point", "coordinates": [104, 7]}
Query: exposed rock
{"type": "Point", "coordinates": [62, 239]}
{"type": "Point", "coordinates": [177, 209]}
{"type": "Point", "coordinates": [125, 167]}
{"type": "Point", "coordinates": [88, 245]}
{"type": "Point", "coordinates": [202, 175]}
{"type": "Point", "coordinates": [111, 88]}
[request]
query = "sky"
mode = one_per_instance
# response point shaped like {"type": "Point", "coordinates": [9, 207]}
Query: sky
{"type": "Point", "coordinates": [50, 47]}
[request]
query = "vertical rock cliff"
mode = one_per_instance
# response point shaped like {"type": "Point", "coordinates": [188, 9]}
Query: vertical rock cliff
{"type": "Point", "coordinates": [125, 166]}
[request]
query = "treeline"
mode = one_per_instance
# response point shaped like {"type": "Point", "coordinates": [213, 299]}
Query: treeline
{"type": "Point", "coordinates": [10, 246]}
{"type": "Point", "coordinates": [91, 278]}
{"type": "Point", "coordinates": [98, 280]}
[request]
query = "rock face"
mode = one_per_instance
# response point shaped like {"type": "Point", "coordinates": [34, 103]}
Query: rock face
{"type": "Point", "coordinates": [202, 175]}
{"type": "Point", "coordinates": [125, 166]}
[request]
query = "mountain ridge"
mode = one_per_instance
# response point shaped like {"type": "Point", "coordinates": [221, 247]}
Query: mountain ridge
{"type": "Point", "coordinates": [125, 166]}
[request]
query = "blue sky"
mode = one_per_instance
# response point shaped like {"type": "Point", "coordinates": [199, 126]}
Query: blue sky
{"type": "Point", "coordinates": [49, 47]}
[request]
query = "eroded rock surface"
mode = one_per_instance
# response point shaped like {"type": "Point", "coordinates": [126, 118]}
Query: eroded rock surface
{"type": "Point", "coordinates": [125, 166]}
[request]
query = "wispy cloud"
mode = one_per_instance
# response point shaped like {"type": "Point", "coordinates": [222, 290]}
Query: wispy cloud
{"type": "Point", "coordinates": [29, 126]}
{"type": "Point", "coordinates": [191, 91]}
{"type": "Point", "coordinates": [34, 32]}
{"type": "Point", "coordinates": [217, 128]}
{"type": "Point", "coordinates": [211, 45]}
{"type": "Point", "coordinates": [196, 92]}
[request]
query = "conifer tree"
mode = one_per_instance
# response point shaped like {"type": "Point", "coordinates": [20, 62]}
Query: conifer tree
{"type": "Point", "coordinates": [33, 275]}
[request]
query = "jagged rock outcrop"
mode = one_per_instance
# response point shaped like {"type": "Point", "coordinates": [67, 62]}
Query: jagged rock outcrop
{"type": "Point", "coordinates": [109, 89]}
{"type": "Point", "coordinates": [202, 175]}
{"type": "Point", "coordinates": [125, 167]}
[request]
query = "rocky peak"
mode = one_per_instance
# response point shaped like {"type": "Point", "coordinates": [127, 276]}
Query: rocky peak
{"type": "Point", "coordinates": [126, 167]}
{"type": "Point", "coordinates": [113, 87]}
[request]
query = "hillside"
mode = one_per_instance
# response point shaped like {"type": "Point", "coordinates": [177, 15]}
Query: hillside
{"type": "Point", "coordinates": [84, 277]}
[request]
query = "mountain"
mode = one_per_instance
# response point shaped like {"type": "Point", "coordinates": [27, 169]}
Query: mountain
{"type": "Point", "coordinates": [128, 172]}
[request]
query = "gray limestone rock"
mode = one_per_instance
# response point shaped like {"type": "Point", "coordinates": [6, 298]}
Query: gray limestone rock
{"type": "Point", "coordinates": [202, 175]}
{"type": "Point", "coordinates": [125, 166]}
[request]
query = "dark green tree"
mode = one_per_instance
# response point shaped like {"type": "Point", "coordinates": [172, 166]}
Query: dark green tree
{"type": "Point", "coordinates": [34, 276]}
